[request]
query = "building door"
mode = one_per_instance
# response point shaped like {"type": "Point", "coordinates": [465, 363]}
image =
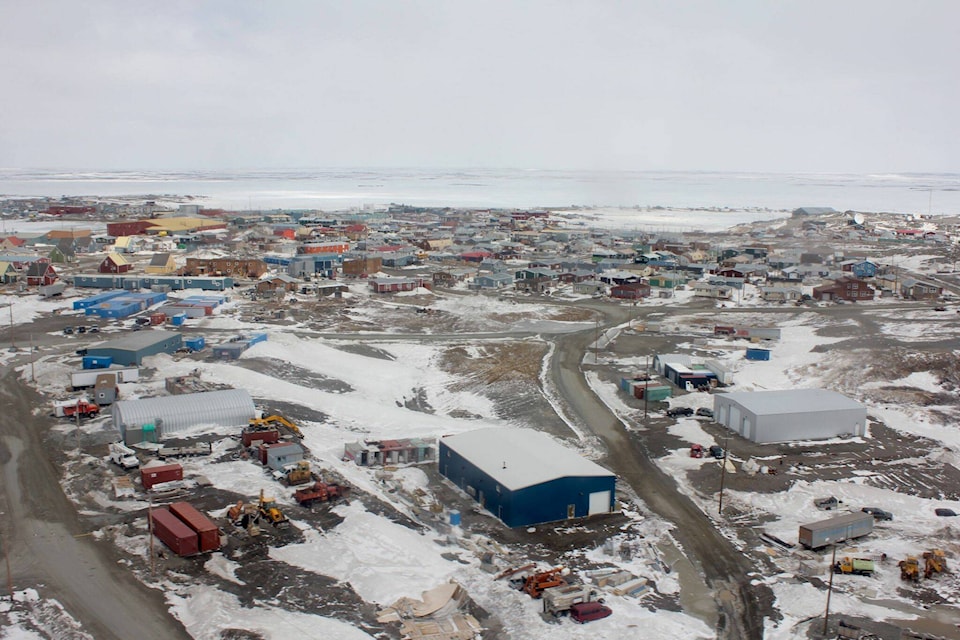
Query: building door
{"type": "Point", "coordinates": [571, 511]}
{"type": "Point", "coordinates": [599, 502]}
{"type": "Point", "coordinates": [482, 499]}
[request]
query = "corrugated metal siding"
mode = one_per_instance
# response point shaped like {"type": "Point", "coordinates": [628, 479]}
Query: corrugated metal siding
{"type": "Point", "coordinates": [229, 408]}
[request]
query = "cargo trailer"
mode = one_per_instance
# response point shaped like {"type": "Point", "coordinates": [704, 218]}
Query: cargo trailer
{"type": "Point", "coordinates": [174, 533]}
{"type": "Point", "coordinates": [88, 377]}
{"type": "Point", "coordinates": [207, 532]}
{"type": "Point", "coordinates": [816, 535]}
{"type": "Point", "coordinates": [161, 473]}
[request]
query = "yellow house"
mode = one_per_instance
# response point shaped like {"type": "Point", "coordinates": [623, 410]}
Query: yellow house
{"type": "Point", "coordinates": [161, 264]}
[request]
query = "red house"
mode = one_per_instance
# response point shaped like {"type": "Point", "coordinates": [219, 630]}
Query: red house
{"type": "Point", "coordinates": [845, 288]}
{"type": "Point", "coordinates": [41, 273]}
{"type": "Point", "coordinates": [630, 291]}
{"type": "Point", "coordinates": [114, 263]}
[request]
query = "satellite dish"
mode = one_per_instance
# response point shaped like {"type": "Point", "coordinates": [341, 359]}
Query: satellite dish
{"type": "Point", "coordinates": [858, 218]}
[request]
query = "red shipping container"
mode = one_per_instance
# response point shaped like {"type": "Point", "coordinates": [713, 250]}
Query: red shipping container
{"type": "Point", "coordinates": [150, 476]}
{"type": "Point", "coordinates": [267, 436]}
{"type": "Point", "coordinates": [207, 531]}
{"type": "Point", "coordinates": [158, 318]}
{"type": "Point", "coordinates": [174, 533]}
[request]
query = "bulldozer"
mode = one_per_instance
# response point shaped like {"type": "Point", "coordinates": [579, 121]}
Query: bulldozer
{"type": "Point", "coordinates": [276, 421]}
{"type": "Point", "coordinates": [933, 562]}
{"type": "Point", "coordinates": [535, 583]}
{"type": "Point", "coordinates": [246, 516]}
{"type": "Point", "coordinates": [268, 509]}
{"type": "Point", "coordinates": [910, 569]}
{"type": "Point", "coordinates": [298, 473]}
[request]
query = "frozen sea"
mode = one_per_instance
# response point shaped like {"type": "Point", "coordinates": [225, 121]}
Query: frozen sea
{"type": "Point", "coordinates": [330, 189]}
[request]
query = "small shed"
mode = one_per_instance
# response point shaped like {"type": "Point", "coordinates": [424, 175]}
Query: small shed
{"type": "Point", "coordinates": [114, 263]}
{"type": "Point", "coordinates": [105, 389]}
{"type": "Point", "coordinates": [279, 454]}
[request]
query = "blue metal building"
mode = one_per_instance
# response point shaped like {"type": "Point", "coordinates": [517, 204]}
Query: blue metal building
{"type": "Point", "coordinates": [524, 477]}
{"type": "Point", "coordinates": [133, 348]}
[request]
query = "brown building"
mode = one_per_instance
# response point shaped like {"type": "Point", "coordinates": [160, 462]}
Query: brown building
{"type": "Point", "coordinates": [240, 268]}
{"type": "Point", "coordinates": [845, 288]}
{"type": "Point", "coordinates": [362, 266]}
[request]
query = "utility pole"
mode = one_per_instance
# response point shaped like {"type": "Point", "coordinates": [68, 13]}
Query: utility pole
{"type": "Point", "coordinates": [723, 473]}
{"type": "Point", "coordinates": [150, 527]}
{"type": "Point", "coordinates": [826, 613]}
{"type": "Point", "coordinates": [12, 345]}
{"type": "Point", "coordinates": [33, 375]}
{"type": "Point", "coordinates": [646, 388]}
{"type": "Point", "coordinates": [596, 339]}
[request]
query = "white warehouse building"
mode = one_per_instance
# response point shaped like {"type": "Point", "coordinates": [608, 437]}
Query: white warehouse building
{"type": "Point", "coordinates": [152, 419]}
{"type": "Point", "coordinates": [789, 415]}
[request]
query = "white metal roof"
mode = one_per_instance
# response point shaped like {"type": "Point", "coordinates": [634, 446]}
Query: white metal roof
{"type": "Point", "coordinates": [518, 458]}
{"type": "Point", "coordinates": [792, 401]}
{"type": "Point", "coordinates": [230, 407]}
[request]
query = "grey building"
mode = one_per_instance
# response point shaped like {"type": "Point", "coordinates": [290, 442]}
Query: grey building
{"type": "Point", "coordinates": [133, 348]}
{"type": "Point", "coordinates": [152, 419]}
{"type": "Point", "coordinates": [791, 414]}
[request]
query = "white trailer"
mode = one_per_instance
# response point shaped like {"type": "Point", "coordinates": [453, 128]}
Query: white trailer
{"type": "Point", "coordinates": [88, 377]}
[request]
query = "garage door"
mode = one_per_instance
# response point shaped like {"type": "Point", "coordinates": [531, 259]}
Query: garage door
{"type": "Point", "coordinates": [599, 502]}
{"type": "Point", "coordinates": [734, 421]}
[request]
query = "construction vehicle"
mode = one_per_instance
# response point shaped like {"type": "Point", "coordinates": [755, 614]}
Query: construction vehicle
{"type": "Point", "coordinates": [910, 569]}
{"type": "Point", "coordinates": [534, 584]}
{"type": "Point", "coordinates": [933, 562]}
{"type": "Point", "coordinates": [296, 473]}
{"type": "Point", "coordinates": [558, 600]}
{"type": "Point", "coordinates": [245, 516]}
{"type": "Point", "coordinates": [276, 420]}
{"type": "Point", "coordinates": [320, 491]}
{"type": "Point", "coordinates": [124, 456]}
{"type": "Point", "coordinates": [71, 408]}
{"type": "Point", "coordinates": [268, 509]}
{"type": "Point", "coordinates": [855, 566]}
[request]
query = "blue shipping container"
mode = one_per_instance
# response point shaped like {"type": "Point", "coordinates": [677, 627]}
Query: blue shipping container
{"type": "Point", "coordinates": [197, 344]}
{"type": "Point", "coordinates": [758, 354]}
{"type": "Point", "coordinates": [97, 362]}
{"type": "Point", "coordinates": [178, 319]}
{"type": "Point", "coordinates": [455, 518]}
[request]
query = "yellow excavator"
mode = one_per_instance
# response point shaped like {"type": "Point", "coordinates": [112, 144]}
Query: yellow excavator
{"type": "Point", "coordinates": [276, 420]}
{"type": "Point", "coordinates": [910, 569]}
{"type": "Point", "coordinates": [268, 509]}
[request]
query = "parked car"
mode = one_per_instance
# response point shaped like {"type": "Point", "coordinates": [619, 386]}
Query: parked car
{"type": "Point", "coordinates": [94, 330]}
{"type": "Point", "coordinates": [717, 452]}
{"type": "Point", "coordinates": [142, 321]}
{"type": "Point", "coordinates": [696, 451]}
{"type": "Point", "coordinates": [704, 412]}
{"type": "Point", "coordinates": [826, 504]}
{"type": "Point", "coordinates": [945, 513]}
{"type": "Point", "coordinates": [583, 612]}
{"type": "Point", "coordinates": [939, 308]}
{"type": "Point", "coordinates": [877, 513]}
{"type": "Point", "coordinates": [679, 411]}
{"type": "Point", "coordinates": [81, 329]}
{"type": "Point", "coordinates": [67, 330]}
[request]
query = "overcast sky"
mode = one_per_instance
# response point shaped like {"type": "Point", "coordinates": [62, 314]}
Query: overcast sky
{"type": "Point", "coordinates": [817, 86]}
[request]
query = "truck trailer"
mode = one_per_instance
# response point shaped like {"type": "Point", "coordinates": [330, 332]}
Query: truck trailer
{"type": "Point", "coordinates": [88, 377]}
{"type": "Point", "coordinates": [816, 535]}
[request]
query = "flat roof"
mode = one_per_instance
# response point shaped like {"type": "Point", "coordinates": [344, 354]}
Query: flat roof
{"type": "Point", "coordinates": [792, 401]}
{"type": "Point", "coordinates": [518, 458]}
{"type": "Point", "coordinates": [136, 340]}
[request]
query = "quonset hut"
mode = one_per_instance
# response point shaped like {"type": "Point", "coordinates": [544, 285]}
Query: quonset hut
{"type": "Point", "coordinates": [150, 419]}
{"type": "Point", "coordinates": [790, 414]}
{"type": "Point", "coordinates": [524, 477]}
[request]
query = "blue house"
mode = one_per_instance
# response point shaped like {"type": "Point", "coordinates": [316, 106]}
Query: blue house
{"type": "Point", "coordinates": [492, 281]}
{"type": "Point", "coordinates": [524, 477]}
{"type": "Point", "coordinates": [860, 268]}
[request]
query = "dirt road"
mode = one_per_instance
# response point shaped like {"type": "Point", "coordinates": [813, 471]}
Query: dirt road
{"type": "Point", "coordinates": [49, 547]}
{"type": "Point", "coordinates": [725, 568]}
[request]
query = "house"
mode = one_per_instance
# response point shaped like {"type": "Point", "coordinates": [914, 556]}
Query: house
{"type": "Point", "coordinates": [450, 277]}
{"type": "Point", "coordinates": [525, 477]}
{"type": "Point", "coordinates": [114, 263]}
{"type": "Point", "coordinates": [362, 266]}
{"type": "Point", "coordinates": [919, 290]}
{"type": "Point", "coordinates": [278, 282]}
{"type": "Point", "coordinates": [781, 294]}
{"type": "Point", "coordinates": [394, 285]}
{"type": "Point", "coordinates": [666, 281]}
{"type": "Point", "coordinates": [577, 275]}
{"type": "Point", "coordinates": [630, 291]}
{"type": "Point", "coordinates": [41, 273]}
{"type": "Point", "coordinates": [844, 288]}
{"type": "Point", "coordinates": [859, 268]}
{"type": "Point", "coordinates": [8, 274]}
{"type": "Point", "coordinates": [710, 290]}
{"type": "Point", "coordinates": [161, 264]}
{"type": "Point", "coordinates": [790, 414]}
{"type": "Point", "coordinates": [492, 281]}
